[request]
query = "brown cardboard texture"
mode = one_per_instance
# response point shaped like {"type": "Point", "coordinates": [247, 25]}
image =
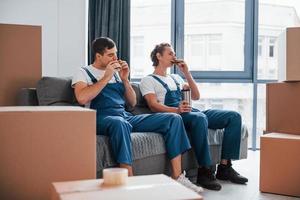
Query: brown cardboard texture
{"type": "Point", "coordinates": [157, 186]}
{"type": "Point", "coordinates": [39, 145]}
{"type": "Point", "coordinates": [20, 60]}
{"type": "Point", "coordinates": [288, 57]}
{"type": "Point", "coordinates": [280, 164]}
{"type": "Point", "coordinates": [283, 107]}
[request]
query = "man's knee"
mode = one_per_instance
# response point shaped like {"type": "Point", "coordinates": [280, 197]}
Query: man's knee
{"type": "Point", "coordinates": [200, 118]}
{"type": "Point", "coordinates": [235, 116]}
{"type": "Point", "coordinates": [176, 118]}
{"type": "Point", "coordinates": [115, 122]}
{"type": "Point", "coordinates": [171, 117]}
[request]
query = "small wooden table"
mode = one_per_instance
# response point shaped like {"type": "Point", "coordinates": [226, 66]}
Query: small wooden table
{"type": "Point", "coordinates": [137, 187]}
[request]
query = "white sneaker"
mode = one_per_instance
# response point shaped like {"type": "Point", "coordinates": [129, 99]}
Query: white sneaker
{"type": "Point", "coordinates": [182, 179]}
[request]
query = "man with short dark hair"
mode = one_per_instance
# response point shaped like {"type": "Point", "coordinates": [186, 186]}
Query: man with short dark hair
{"type": "Point", "coordinates": [105, 85]}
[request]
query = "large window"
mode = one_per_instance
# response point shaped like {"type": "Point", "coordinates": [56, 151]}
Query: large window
{"type": "Point", "coordinates": [214, 35]}
{"type": "Point", "coordinates": [204, 51]}
{"type": "Point", "coordinates": [231, 47]}
{"type": "Point", "coordinates": [150, 25]}
{"type": "Point", "coordinates": [227, 96]}
{"type": "Point", "coordinates": [274, 17]}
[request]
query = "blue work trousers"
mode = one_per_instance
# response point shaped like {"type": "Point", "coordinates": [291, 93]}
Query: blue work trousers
{"type": "Point", "coordinates": [197, 124]}
{"type": "Point", "coordinates": [119, 128]}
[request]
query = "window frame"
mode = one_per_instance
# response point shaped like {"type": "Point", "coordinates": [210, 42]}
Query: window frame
{"type": "Point", "coordinates": [177, 40]}
{"type": "Point", "coordinates": [248, 75]}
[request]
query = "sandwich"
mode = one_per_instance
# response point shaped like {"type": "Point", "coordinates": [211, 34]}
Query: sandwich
{"type": "Point", "coordinates": [175, 62]}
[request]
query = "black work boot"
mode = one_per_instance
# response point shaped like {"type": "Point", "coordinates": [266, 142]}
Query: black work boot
{"type": "Point", "coordinates": [207, 179]}
{"type": "Point", "coordinates": [226, 172]}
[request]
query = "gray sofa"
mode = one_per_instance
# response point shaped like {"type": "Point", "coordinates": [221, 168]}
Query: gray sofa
{"type": "Point", "coordinates": [149, 153]}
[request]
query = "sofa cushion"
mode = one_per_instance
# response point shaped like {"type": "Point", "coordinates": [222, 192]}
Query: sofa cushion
{"type": "Point", "coordinates": [151, 144]}
{"type": "Point", "coordinates": [143, 145]}
{"type": "Point", "coordinates": [55, 91]}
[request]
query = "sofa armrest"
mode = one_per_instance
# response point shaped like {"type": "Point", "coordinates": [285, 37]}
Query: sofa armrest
{"type": "Point", "coordinates": [27, 97]}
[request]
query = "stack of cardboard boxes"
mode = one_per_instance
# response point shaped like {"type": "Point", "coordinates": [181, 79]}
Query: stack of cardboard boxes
{"type": "Point", "coordinates": [20, 60]}
{"type": "Point", "coordinates": [38, 145]}
{"type": "Point", "coordinates": [43, 144]}
{"type": "Point", "coordinates": [280, 147]}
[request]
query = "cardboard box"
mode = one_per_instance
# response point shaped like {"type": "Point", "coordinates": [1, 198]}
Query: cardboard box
{"type": "Point", "coordinates": [283, 107]}
{"type": "Point", "coordinates": [20, 60]}
{"type": "Point", "coordinates": [280, 164]}
{"type": "Point", "coordinates": [39, 145]}
{"type": "Point", "coordinates": [288, 55]}
{"type": "Point", "coordinates": [137, 187]}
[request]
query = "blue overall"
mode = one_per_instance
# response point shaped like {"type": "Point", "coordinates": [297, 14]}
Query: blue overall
{"type": "Point", "coordinates": [197, 124]}
{"type": "Point", "coordinates": [114, 122]}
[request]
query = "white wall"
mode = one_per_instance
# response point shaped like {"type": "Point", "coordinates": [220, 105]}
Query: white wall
{"type": "Point", "coordinates": [63, 31]}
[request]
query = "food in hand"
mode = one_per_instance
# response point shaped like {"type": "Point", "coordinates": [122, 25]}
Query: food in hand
{"type": "Point", "coordinates": [176, 62]}
{"type": "Point", "coordinates": [118, 68]}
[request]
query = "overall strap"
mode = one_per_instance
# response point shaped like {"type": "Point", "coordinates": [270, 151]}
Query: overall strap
{"type": "Point", "coordinates": [176, 82]}
{"type": "Point", "coordinates": [117, 78]}
{"type": "Point", "coordinates": [161, 82]}
{"type": "Point", "coordinates": [94, 80]}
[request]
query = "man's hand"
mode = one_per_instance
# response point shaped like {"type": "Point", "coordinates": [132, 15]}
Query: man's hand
{"type": "Point", "coordinates": [111, 68]}
{"type": "Point", "coordinates": [124, 72]}
{"type": "Point", "coordinates": [184, 107]}
{"type": "Point", "coordinates": [182, 66]}
{"type": "Point", "coordinates": [186, 87]}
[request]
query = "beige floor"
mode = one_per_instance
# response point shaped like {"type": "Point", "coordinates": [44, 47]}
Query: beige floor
{"type": "Point", "coordinates": [230, 191]}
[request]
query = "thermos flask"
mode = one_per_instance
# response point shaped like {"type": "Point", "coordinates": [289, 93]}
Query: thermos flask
{"type": "Point", "coordinates": [186, 95]}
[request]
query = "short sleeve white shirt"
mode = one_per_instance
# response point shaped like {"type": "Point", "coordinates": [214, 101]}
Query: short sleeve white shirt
{"type": "Point", "coordinates": [149, 85]}
{"type": "Point", "coordinates": [82, 76]}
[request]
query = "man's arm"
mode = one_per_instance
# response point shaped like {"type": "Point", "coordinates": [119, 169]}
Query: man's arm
{"type": "Point", "coordinates": [155, 106]}
{"type": "Point", "coordinates": [195, 94]}
{"type": "Point", "coordinates": [85, 93]}
{"type": "Point", "coordinates": [129, 95]}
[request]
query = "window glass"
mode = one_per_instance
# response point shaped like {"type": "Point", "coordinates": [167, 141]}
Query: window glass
{"type": "Point", "coordinates": [214, 35]}
{"type": "Point", "coordinates": [274, 17]}
{"type": "Point", "coordinates": [261, 112]}
{"type": "Point", "coordinates": [150, 25]}
{"type": "Point", "coordinates": [228, 96]}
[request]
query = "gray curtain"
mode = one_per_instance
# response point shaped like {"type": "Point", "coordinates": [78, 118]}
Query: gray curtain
{"type": "Point", "coordinates": [110, 18]}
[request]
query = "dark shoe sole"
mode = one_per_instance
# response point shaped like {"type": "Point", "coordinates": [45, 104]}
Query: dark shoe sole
{"type": "Point", "coordinates": [239, 182]}
{"type": "Point", "coordinates": [233, 181]}
{"type": "Point", "coordinates": [211, 187]}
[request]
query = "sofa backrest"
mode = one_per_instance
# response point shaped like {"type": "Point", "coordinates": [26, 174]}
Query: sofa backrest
{"type": "Point", "coordinates": [55, 91]}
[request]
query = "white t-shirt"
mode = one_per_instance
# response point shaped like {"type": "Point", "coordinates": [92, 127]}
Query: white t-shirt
{"type": "Point", "coordinates": [150, 85]}
{"type": "Point", "coordinates": [82, 76]}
